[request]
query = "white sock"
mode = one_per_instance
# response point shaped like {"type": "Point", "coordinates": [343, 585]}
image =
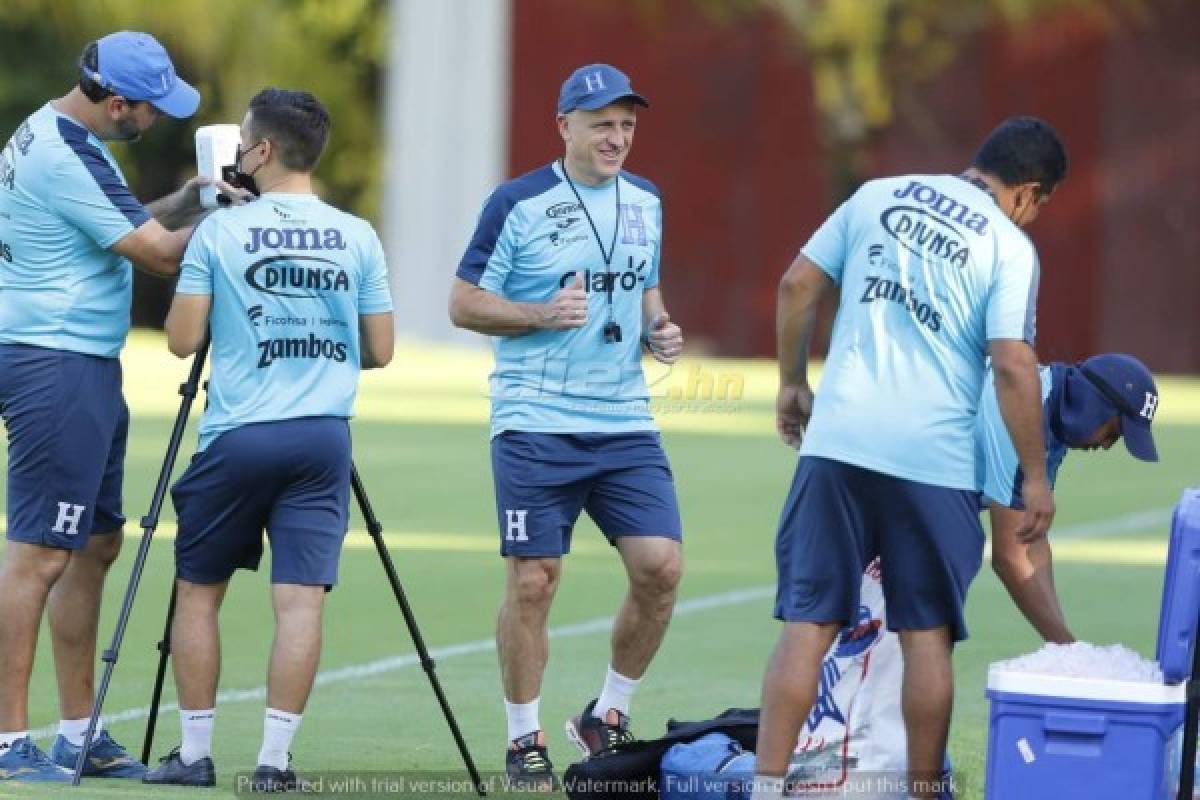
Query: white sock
{"type": "Point", "coordinates": [522, 718]}
{"type": "Point", "coordinates": [278, 729]}
{"type": "Point", "coordinates": [767, 787]}
{"type": "Point", "coordinates": [7, 740]}
{"type": "Point", "coordinates": [617, 693]}
{"type": "Point", "coordinates": [73, 730]}
{"type": "Point", "coordinates": [197, 727]}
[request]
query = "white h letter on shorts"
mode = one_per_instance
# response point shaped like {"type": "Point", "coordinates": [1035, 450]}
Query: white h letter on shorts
{"type": "Point", "coordinates": [516, 525]}
{"type": "Point", "coordinates": [68, 518]}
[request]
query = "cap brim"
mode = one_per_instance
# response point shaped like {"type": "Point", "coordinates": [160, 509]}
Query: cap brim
{"type": "Point", "coordinates": [1139, 441]}
{"type": "Point", "coordinates": [181, 102]}
{"type": "Point", "coordinates": [600, 101]}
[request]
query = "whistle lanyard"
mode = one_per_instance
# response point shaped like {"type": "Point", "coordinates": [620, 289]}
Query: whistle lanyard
{"type": "Point", "coordinates": [609, 282]}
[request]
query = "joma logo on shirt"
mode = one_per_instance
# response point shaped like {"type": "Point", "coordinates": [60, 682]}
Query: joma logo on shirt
{"type": "Point", "coordinates": [943, 204]}
{"type": "Point", "coordinates": [295, 239]}
{"type": "Point", "coordinates": [278, 275]}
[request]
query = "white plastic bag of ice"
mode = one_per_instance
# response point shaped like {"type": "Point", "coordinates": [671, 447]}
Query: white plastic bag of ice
{"type": "Point", "coordinates": [1085, 660]}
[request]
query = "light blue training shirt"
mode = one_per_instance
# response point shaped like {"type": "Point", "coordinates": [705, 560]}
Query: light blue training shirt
{"type": "Point", "coordinates": [289, 276]}
{"type": "Point", "coordinates": [532, 239]}
{"type": "Point", "coordinates": [63, 203]}
{"type": "Point", "coordinates": [929, 271]}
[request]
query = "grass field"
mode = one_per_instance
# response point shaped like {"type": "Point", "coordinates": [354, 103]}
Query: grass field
{"type": "Point", "coordinates": [421, 446]}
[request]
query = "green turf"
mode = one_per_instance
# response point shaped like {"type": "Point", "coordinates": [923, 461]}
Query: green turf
{"type": "Point", "coordinates": [431, 487]}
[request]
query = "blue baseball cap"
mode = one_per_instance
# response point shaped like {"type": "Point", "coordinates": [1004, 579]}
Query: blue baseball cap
{"type": "Point", "coordinates": [596, 86]}
{"type": "Point", "coordinates": [135, 66]}
{"type": "Point", "coordinates": [1129, 386]}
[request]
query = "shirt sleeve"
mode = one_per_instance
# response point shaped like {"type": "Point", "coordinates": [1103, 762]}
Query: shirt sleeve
{"type": "Point", "coordinates": [827, 247]}
{"type": "Point", "coordinates": [89, 194]}
{"type": "Point", "coordinates": [1012, 300]}
{"type": "Point", "coordinates": [489, 257]}
{"type": "Point", "coordinates": [374, 296]}
{"type": "Point", "coordinates": [652, 277]}
{"type": "Point", "coordinates": [195, 271]}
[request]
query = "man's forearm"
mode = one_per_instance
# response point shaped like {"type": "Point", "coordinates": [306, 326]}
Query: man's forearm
{"type": "Point", "coordinates": [795, 317]}
{"type": "Point", "coordinates": [484, 312]}
{"type": "Point", "coordinates": [1019, 392]}
{"type": "Point", "coordinates": [1027, 572]}
{"type": "Point", "coordinates": [176, 210]}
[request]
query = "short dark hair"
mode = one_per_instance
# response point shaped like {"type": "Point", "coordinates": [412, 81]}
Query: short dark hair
{"type": "Point", "coordinates": [89, 63]}
{"type": "Point", "coordinates": [1023, 150]}
{"type": "Point", "coordinates": [295, 122]}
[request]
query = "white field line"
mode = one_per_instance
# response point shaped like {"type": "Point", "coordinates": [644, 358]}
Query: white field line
{"type": "Point", "coordinates": [1126, 523]}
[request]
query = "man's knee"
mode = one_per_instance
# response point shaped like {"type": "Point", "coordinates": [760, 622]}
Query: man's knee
{"type": "Point", "coordinates": [104, 548]}
{"type": "Point", "coordinates": [31, 562]}
{"type": "Point", "coordinates": [533, 581]}
{"type": "Point", "coordinates": [658, 574]}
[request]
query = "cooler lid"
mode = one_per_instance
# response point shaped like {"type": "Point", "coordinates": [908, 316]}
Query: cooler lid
{"type": "Point", "coordinates": [1103, 689]}
{"type": "Point", "coordinates": [1180, 610]}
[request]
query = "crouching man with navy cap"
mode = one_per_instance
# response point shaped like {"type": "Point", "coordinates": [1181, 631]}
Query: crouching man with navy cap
{"type": "Point", "coordinates": [1086, 406]}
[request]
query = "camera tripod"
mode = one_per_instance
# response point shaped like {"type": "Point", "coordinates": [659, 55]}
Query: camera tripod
{"type": "Point", "coordinates": [149, 523]}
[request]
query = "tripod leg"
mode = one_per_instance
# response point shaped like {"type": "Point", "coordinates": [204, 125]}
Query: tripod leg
{"type": "Point", "coordinates": [164, 649]}
{"type": "Point", "coordinates": [375, 529]}
{"type": "Point", "coordinates": [149, 523]}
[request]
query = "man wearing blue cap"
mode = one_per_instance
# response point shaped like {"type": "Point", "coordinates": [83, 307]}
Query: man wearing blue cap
{"type": "Point", "coordinates": [563, 272]}
{"type": "Point", "coordinates": [70, 227]}
{"type": "Point", "coordinates": [1086, 406]}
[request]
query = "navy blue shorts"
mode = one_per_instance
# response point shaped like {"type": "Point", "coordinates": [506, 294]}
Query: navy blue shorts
{"type": "Point", "coordinates": [67, 425]}
{"type": "Point", "coordinates": [839, 517]}
{"type": "Point", "coordinates": [291, 478]}
{"type": "Point", "coordinates": [543, 481]}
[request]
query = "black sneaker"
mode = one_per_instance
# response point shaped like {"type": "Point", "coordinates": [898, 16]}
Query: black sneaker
{"type": "Point", "coordinates": [528, 767]}
{"type": "Point", "coordinates": [172, 770]}
{"type": "Point", "coordinates": [270, 779]}
{"type": "Point", "coordinates": [593, 735]}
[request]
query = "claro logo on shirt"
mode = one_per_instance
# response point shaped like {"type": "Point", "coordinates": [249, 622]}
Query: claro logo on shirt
{"type": "Point", "coordinates": [596, 281]}
{"type": "Point", "coordinates": [281, 275]}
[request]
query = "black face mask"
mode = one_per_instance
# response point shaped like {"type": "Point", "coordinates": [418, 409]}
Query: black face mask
{"type": "Point", "coordinates": [242, 180]}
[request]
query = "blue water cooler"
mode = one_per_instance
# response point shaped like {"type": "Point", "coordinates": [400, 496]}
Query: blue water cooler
{"type": "Point", "coordinates": [1060, 738]}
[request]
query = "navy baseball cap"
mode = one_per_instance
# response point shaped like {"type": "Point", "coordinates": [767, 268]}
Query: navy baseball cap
{"type": "Point", "coordinates": [135, 66]}
{"type": "Point", "coordinates": [596, 86]}
{"type": "Point", "coordinates": [1129, 386]}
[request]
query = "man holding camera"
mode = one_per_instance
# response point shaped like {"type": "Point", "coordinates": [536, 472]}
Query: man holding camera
{"type": "Point", "coordinates": [294, 295]}
{"type": "Point", "coordinates": [69, 228]}
{"type": "Point", "coordinates": [563, 272]}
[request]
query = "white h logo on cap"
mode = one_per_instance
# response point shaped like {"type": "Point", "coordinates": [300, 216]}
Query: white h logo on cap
{"type": "Point", "coordinates": [594, 81]}
{"type": "Point", "coordinates": [1151, 405]}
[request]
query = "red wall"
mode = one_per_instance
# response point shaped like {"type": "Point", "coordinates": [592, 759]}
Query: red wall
{"type": "Point", "coordinates": [733, 140]}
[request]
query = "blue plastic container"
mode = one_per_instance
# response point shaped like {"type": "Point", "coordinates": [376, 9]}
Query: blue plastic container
{"type": "Point", "coordinates": [1055, 738]}
{"type": "Point", "coordinates": [1181, 592]}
